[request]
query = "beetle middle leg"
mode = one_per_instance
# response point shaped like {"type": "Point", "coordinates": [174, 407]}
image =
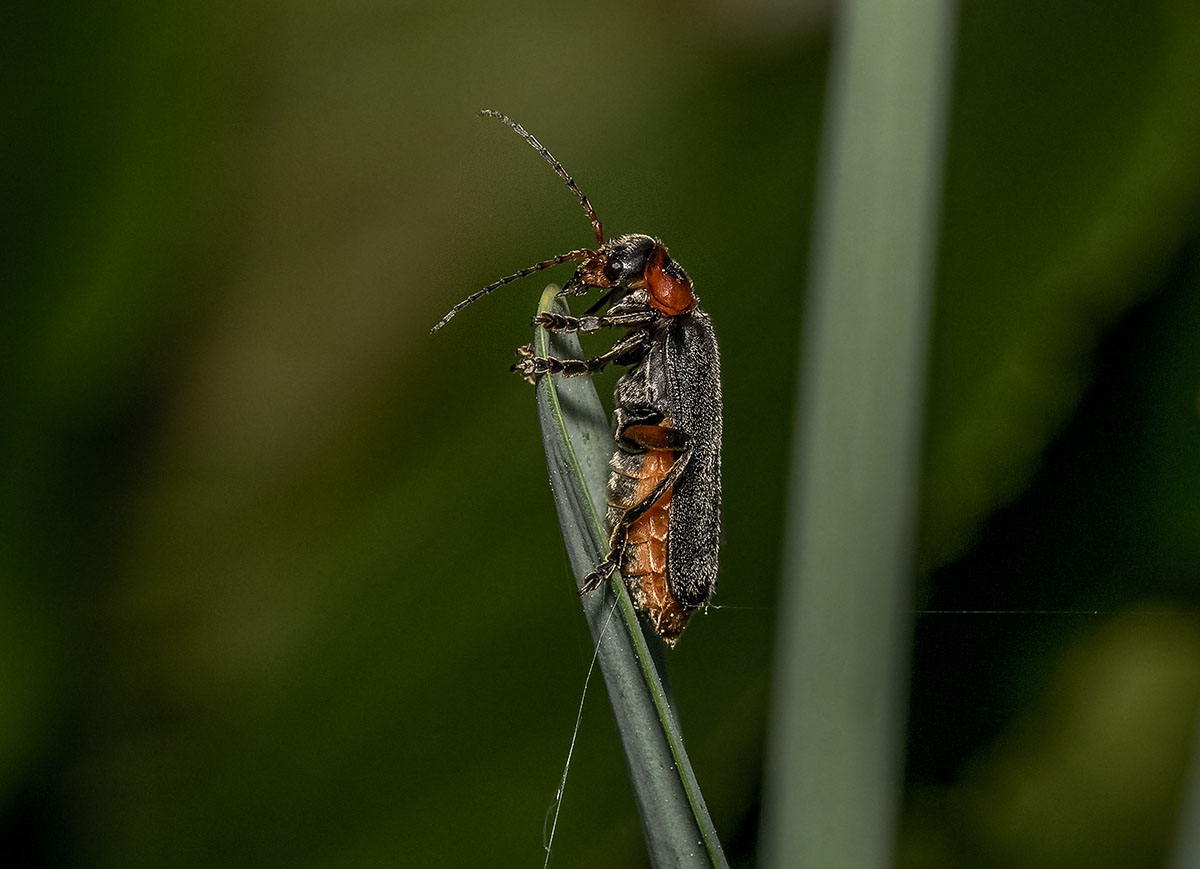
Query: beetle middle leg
{"type": "Point", "coordinates": [532, 367]}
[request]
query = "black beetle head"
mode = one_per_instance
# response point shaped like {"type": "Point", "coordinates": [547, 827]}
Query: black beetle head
{"type": "Point", "coordinates": [625, 258]}
{"type": "Point", "coordinates": [635, 262]}
{"type": "Point", "coordinates": [619, 265]}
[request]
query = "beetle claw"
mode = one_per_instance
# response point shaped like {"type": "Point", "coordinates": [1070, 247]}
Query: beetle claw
{"type": "Point", "coordinates": [526, 366]}
{"type": "Point", "coordinates": [597, 577]}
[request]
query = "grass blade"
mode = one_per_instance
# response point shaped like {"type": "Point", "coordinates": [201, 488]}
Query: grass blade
{"type": "Point", "coordinates": [578, 440]}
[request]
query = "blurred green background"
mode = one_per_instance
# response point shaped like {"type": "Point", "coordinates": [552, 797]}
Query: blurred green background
{"type": "Point", "coordinates": [282, 582]}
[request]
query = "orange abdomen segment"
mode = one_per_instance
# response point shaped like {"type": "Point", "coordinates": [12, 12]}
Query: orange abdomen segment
{"type": "Point", "coordinates": [644, 565]}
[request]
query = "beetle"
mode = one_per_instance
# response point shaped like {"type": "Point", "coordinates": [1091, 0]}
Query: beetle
{"type": "Point", "coordinates": [664, 487]}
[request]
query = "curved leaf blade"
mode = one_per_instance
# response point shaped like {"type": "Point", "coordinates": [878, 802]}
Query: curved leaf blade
{"type": "Point", "coordinates": [578, 443]}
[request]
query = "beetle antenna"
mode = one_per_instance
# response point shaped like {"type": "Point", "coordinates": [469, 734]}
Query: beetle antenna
{"type": "Point", "coordinates": [479, 294]}
{"type": "Point", "coordinates": [558, 167]}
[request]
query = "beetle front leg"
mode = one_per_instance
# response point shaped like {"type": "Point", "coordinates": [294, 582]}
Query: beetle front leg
{"type": "Point", "coordinates": [552, 322]}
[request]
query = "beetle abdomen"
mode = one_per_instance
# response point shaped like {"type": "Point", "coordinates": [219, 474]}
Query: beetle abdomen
{"type": "Point", "coordinates": [644, 561]}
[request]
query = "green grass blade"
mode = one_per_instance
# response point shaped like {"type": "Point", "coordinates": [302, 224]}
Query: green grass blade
{"type": "Point", "coordinates": [833, 774]}
{"type": "Point", "coordinates": [578, 442]}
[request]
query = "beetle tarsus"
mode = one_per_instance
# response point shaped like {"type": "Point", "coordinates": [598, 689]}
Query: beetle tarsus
{"type": "Point", "coordinates": [525, 353]}
{"type": "Point", "coordinates": [597, 577]}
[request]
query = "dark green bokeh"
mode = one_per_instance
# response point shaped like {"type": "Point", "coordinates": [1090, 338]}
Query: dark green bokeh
{"type": "Point", "coordinates": [281, 577]}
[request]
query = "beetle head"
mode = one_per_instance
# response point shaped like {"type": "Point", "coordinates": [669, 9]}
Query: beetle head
{"type": "Point", "coordinates": [635, 262]}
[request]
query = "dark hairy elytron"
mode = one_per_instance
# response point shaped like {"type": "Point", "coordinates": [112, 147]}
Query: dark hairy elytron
{"type": "Point", "coordinates": [664, 489]}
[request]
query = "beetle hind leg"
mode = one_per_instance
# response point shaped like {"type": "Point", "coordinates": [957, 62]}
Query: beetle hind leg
{"type": "Point", "coordinates": [619, 538]}
{"type": "Point", "coordinates": [605, 569]}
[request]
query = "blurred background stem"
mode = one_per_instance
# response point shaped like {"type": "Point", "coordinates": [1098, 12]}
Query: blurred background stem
{"type": "Point", "coordinates": [834, 761]}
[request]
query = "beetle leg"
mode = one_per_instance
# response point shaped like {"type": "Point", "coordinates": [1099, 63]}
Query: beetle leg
{"type": "Point", "coordinates": [532, 367]}
{"type": "Point", "coordinates": [608, 564]}
{"type": "Point", "coordinates": [552, 322]}
{"type": "Point", "coordinates": [617, 539]}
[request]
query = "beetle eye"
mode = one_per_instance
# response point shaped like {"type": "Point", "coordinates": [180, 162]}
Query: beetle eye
{"type": "Point", "coordinates": [613, 269]}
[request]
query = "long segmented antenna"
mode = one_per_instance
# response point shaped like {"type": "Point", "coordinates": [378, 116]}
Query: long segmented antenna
{"type": "Point", "coordinates": [582, 253]}
{"type": "Point", "coordinates": [553, 161]}
{"type": "Point", "coordinates": [476, 296]}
